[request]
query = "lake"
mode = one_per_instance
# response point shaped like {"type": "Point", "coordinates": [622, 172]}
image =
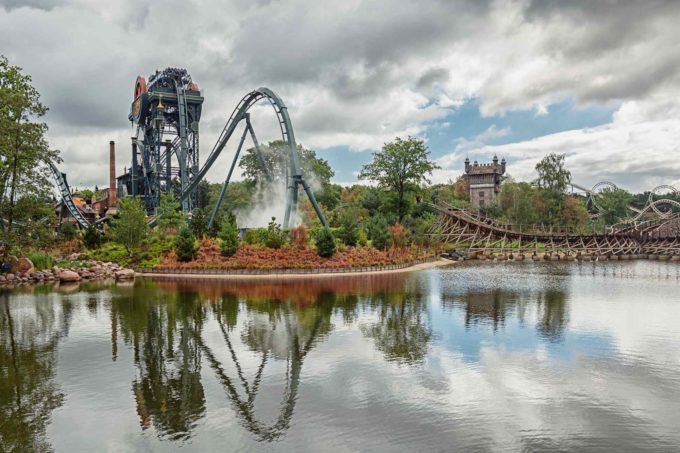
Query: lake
{"type": "Point", "coordinates": [476, 357]}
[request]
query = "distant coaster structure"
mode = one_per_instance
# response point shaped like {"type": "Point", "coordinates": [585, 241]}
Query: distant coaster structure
{"type": "Point", "coordinates": [165, 150]}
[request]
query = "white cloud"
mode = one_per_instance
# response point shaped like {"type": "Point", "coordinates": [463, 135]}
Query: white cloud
{"type": "Point", "coordinates": [636, 155]}
{"type": "Point", "coordinates": [354, 74]}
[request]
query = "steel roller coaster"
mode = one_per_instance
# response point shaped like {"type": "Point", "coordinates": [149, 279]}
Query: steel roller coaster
{"type": "Point", "coordinates": [165, 148]}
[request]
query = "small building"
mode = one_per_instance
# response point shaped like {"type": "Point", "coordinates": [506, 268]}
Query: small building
{"type": "Point", "coordinates": [484, 181]}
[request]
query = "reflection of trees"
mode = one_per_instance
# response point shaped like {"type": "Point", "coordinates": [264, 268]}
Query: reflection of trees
{"type": "Point", "coordinates": [28, 356]}
{"type": "Point", "coordinates": [403, 332]}
{"type": "Point", "coordinates": [494, 307]}
{"type": "Point", "coordinates": [552, 315]}
{"type": "Point", "coordinates": [168, 390]}
{"type": "Point", "coordinates": [487, 307]}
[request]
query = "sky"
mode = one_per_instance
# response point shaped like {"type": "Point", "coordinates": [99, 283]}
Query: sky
{"type": "Point", "coordinates": [596, 81]}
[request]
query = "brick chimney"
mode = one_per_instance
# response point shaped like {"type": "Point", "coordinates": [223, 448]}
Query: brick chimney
{"type": "Point", "coordinates": [112, 174]}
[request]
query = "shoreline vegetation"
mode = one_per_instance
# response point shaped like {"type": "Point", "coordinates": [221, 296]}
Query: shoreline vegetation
{"type": "Point", "coordinates": [284, 274]}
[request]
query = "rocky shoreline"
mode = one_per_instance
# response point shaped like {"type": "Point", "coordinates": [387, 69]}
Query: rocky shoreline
{"type": "Point", "coordinates": [90, 270]}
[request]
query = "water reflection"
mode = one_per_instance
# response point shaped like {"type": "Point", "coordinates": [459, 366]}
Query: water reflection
{"type": "Point", "coordinates": [164, 322]}
{"type": "Point", "coordinates": [380, 363]}
{"type": "Point", "coordinates": [403, 330]}
{"type": "Point", "coordinates": [29, 334]}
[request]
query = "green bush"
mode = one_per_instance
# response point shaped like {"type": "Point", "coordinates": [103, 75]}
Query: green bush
{"type": "Point", "coordinates": [113, 252]}
{"type": "Point", "coordinates": [276, 238]}
{"type": "Point", "coordinates": [185, 245]}
{"type": "Point", "coordinates": [67, 231]}
{"type": "Point", "coordinates": [92, 237]}
{"type": "Point", "coordinates": [229, 237]}
{"type": "Point", "coordinates": [41, 260]}
{"type": "Point", "coordinates": [255, 236]}
{"type": "Point", "coordinates": [325, 243]}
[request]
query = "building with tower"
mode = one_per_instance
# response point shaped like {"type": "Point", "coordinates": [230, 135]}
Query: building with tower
{"type": "Point", "coordinates": [484, 181]}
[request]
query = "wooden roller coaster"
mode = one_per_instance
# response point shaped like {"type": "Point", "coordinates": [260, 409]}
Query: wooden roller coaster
{"type": "Point", "coordinates": [471, 234]}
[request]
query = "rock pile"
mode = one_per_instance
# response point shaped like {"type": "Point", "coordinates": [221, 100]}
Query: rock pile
{"type": "Point", "coordinates": [90, 270]}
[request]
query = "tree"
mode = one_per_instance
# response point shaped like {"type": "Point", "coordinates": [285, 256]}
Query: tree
{"type": "Point", "coordinates": [185, 244]}
{"type": "Point", "coordinates": [24, 153]}
{"type": "Point", "coordinates": [274, 161]}
{"type": "Point", "coordinates": [130, 228]}
{"type": "Point", "coordinates": [551, 173]}
{"type": "Point", "coordinates": [92, 237]}
{"type": "Point", "coordinates": [169, 215]}
{"type": "Point", "coordinates": [325, 243]}
{"type": "Point", "coordinates": [275, 237]}
{"type": "Point", "coordinates": [378, 232]}
{"type": "Point", "coordinates": [613, 204]}
{"type": "Point", "coordinates": [398, 167]}
{"type": "Point", "coordinates": [229, 237]}
{"type": "Point", "coordinates": [349, 229]}
{"type": "Point", "coordinates": [198, 223]}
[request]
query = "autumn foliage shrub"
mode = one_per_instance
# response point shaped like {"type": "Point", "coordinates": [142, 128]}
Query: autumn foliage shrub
{"type": "Point", "coordinates": [299, 237]}
{"type": "Point", "coordinates": [398, 235]}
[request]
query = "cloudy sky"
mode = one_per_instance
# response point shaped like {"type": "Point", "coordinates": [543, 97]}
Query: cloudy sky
{"type": "Point", "coordinates": [597, 81]}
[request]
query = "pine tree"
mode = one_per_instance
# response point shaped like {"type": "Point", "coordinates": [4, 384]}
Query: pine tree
{"type": "Point", "coordinates": [378, 232]}
{"type": "Point", "coordinates": [349, 230]}
{"type": "Point", "coordinates": [185, 244]}
{"type": "Point", "coordinates": [325, 243]}
{"type": "Point", "coordinates": [198, 224]}
{"type": "Point", "coordinates": [229, 237]}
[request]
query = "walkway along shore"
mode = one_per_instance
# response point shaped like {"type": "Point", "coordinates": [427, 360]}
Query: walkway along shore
{"type": "Point", "coordinates": [276, 274]}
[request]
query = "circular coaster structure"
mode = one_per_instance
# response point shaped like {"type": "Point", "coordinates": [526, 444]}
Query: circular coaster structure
{"type": "Point", "coordinates": [659, 199]}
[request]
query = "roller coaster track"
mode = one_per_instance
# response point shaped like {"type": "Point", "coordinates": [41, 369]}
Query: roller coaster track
{"type": "Point", "coordinates": [239, 114]}
{"type": "Point", "coordinates": [476, 234]}
{"type": "Point", "coordinates": [65, 191]}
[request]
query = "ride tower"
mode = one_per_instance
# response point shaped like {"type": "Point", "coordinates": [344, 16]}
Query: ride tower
{"type": "Point", "coordinates": [165, 148]}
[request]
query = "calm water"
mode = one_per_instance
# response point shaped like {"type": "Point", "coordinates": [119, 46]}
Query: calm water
{"type": "Point", "coordinates": [485, 357]}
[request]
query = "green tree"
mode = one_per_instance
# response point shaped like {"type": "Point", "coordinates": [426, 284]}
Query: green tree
{"type": "Point", "coordinates": [613, 204]}
{"type": "Point", "coordinates": [169, 214]}
{"type": "Point", "coordinates": [24, 153]}
{"type": "Point", "coordinates": [551, 173]}
{"type": "Point", "coordinates": [378, 232]}
{"type": "Point", "coordinates": [325, 243]}
{"type": "Point", "coordinates": [349, 228]}
{"type": "Point", "coordinates": [185, 244]}
{"type": "Point", "coordinates": [274, 161]}
{"type": "Point", "coordinates": [130, 228]}
{"type": "Point", "coordinates": [198, 223]}
{"type": "Point", "coordinates": [229, 237]}
{"type": "Point", "coordinates": [399, 167]}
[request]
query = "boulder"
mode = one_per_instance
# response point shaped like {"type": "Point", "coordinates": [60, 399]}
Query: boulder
{"type": "Point", "coordinates": [25, 266]}
{"type": "Point", "coordinates": [68, 276]}
{"type": "Point", "coordinates": [9, 277]}
{"type": "Point", "coordinates": [125, 274]}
